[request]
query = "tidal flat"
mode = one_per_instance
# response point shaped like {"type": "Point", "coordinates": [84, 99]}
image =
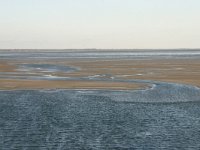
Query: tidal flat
{"type": "Point", "coordinates": [92, 99]}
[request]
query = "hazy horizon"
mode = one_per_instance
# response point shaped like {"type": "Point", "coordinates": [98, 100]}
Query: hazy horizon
{"type": "Point", "coordinates": [99, 24]}
{"type": "Point", "coordinates": [103, 49]}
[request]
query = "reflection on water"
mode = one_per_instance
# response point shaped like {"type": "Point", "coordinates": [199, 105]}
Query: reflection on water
{"type": "Point", "coordinates": [45, 68]}
{"type": "Point", "coordinates": [81, 120]}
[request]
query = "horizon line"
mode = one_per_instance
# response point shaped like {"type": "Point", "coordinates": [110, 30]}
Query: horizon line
{"type": "Point", "coordinates": [99, 48]}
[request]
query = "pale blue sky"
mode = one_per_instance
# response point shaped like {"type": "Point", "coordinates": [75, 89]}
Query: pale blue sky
{"type": "Point", "coordinates": [99, 23]}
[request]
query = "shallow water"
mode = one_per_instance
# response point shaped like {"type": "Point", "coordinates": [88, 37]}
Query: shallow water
{"type": "Point", "coordinates": [45, 68]}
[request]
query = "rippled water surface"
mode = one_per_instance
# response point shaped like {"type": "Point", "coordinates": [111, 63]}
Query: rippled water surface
{"type": "Point", "coordinates": [92, 120]}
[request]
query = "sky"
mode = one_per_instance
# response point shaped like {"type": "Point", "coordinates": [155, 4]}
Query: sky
{"type": "Point", "coordinates": [104, 24]}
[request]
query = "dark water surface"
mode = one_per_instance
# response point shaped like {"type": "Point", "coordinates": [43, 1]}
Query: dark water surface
{"type": "Point", "coordinates": [67, 119]}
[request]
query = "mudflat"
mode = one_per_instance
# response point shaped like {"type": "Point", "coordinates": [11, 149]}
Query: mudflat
{"type": "Point", "coordinates": [177, 70]}
{"type": "Point", "coordinates": [10, 84]}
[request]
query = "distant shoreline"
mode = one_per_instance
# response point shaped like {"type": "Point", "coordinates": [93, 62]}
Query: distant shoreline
{"type": "Point", "coordinates": [96, 49]}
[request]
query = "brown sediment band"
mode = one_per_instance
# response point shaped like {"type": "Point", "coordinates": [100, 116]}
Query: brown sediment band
{"type": "Point", "coordinates": [12, 84]}
{"type": "Point", "coordinates": [185, 71]}
{"type": "Point", "coordinates": [5, 67]}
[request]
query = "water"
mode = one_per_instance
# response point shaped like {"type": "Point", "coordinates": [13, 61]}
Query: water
{"type": "Point", "coordinates": [67, 119]}
{"type": "Point", "coordinates": [45, 68]}
{"type": "Point", "coordinates": [108, 54]}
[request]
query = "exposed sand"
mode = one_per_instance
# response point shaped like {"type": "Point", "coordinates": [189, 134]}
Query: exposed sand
{"type": "Point", "coordinates": [185, 71]}
{"type": "Point", "coordinates": [8, 84]}
{"type": "Point", "coordinates": [5, 67]}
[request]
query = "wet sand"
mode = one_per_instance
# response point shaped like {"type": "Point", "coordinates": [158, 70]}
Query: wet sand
{"type": "Point", "coordinates": [185, 71]}
{"type": "Point", "coordinates": [9, 84]}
